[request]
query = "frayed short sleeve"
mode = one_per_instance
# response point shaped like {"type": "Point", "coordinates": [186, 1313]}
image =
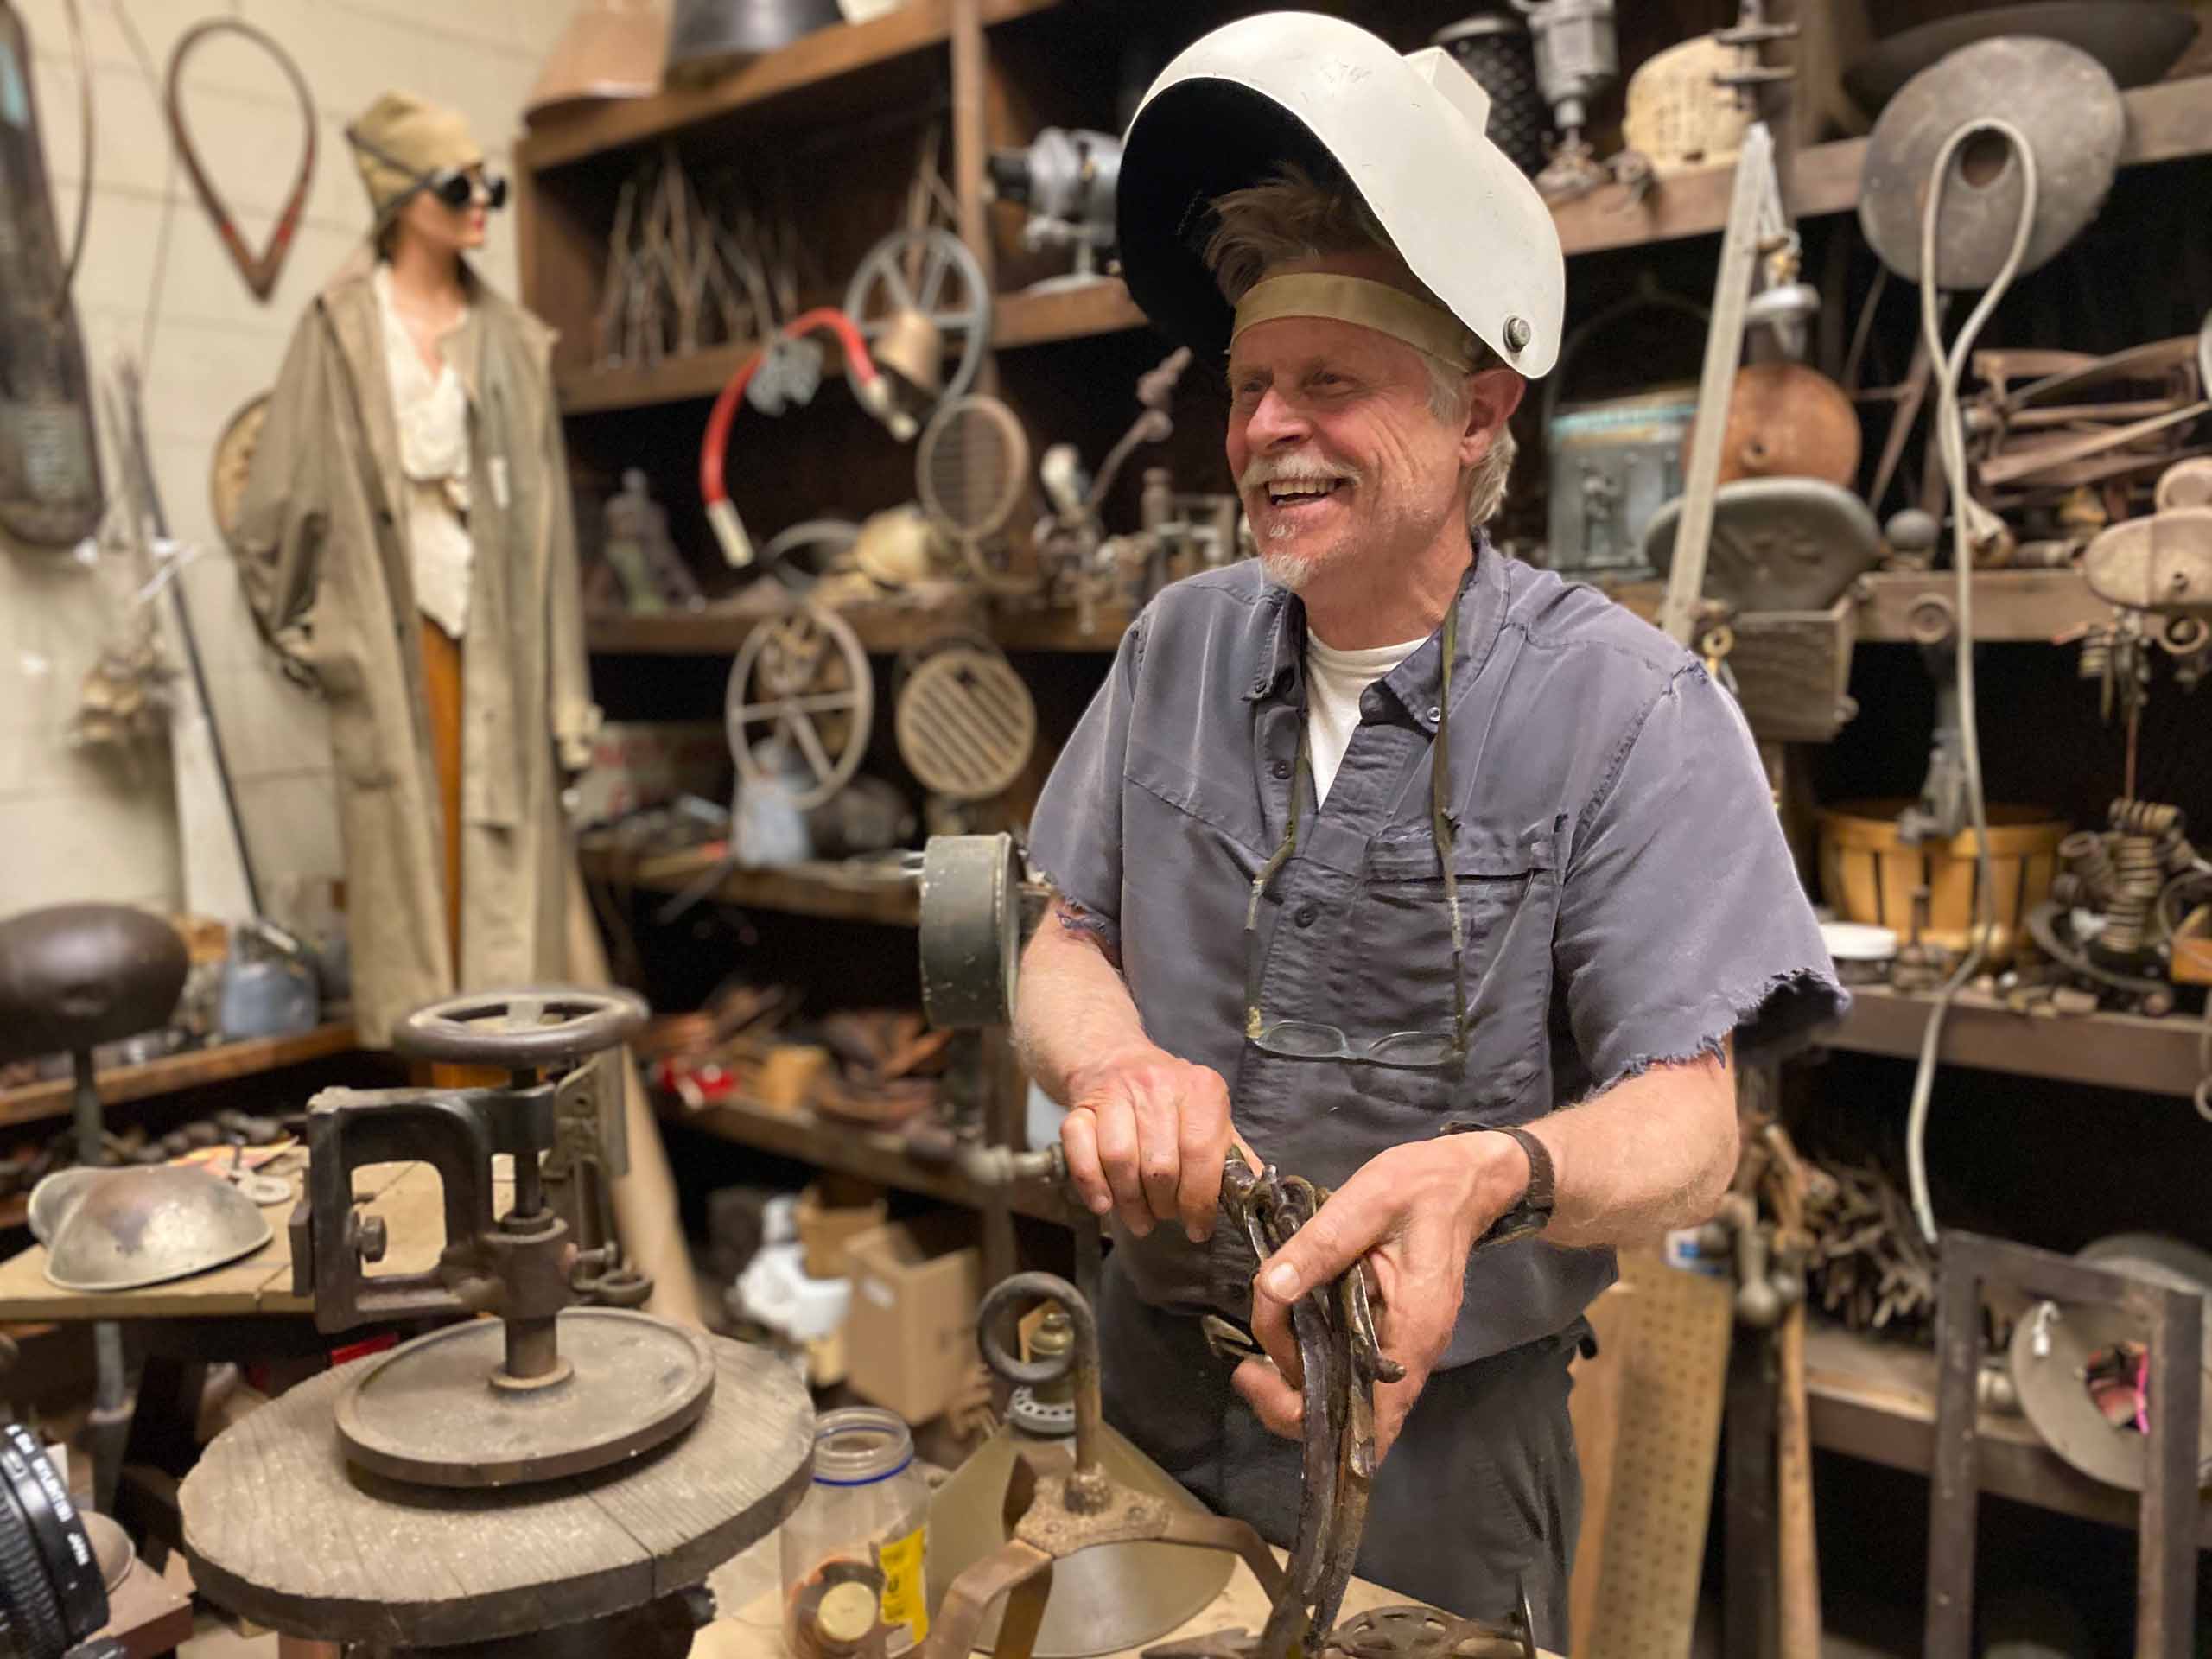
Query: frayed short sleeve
{"type": "Point", "coordinates": [1075, 836]}
{"type": "Point", "coordinates": [1682, 920]}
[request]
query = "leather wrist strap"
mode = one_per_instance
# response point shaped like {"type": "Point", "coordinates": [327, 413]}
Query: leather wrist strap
{"type": "Point", "coordinates": [1532, 1212]}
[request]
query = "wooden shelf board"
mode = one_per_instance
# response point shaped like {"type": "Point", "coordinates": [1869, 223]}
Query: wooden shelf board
{"type": "Point", "coordinates": [827, 890]}
{"type": "Point", "coordinates": [34, 1101]}
{"type": "Point", "coordinates": [2108, 1050]}
{"type": "Point", "coordinates": [811, 61]}
{"type": "Point", "coordinates": [2165, 122]}
{"type": "Point", "coordinates": [1099, 307]}
{"type": "Point", "coordinates": [1876, 1401]}
{"type": "Point", "coordinates": [671, 380]}
{"type": "Point", "coordinates": [881, 628]}
{"type": "Point", "coordinates": [870, 1154]}
{"type": "Point", "coordinates": [2017, 606]}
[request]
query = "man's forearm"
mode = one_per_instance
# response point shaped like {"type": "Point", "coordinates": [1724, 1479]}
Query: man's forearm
{"type": "Point", "coordinates": [1072, 1009]}
{"type": "Point", "coordinates": [1652, 1152]}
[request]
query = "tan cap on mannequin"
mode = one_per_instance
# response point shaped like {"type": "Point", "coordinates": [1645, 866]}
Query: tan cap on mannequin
{"type": "Point", "coordinates": [400, 139]}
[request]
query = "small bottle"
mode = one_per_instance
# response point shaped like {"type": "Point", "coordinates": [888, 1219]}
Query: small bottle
{"type": "Point", "coordinates": [862, 1524]}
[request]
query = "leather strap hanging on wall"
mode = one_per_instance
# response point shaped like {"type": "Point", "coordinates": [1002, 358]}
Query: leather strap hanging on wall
{"type": "Point", "coordinates": [261, 269]}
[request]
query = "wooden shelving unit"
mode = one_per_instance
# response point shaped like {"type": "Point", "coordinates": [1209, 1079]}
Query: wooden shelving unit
{"type": "Point", "coordinates": [2016, 607]}
{"type": "Point", "coordinates": [2106, 1051]}
{"type": "Point", "coordinates": [1876, 1401]}
{"type": "Point", "coordinates": [835, 892]}
{"type": "Point", "coordinates": [868, 1154]}
{"type": "Point", "coordinates": [812, 61]}
{"type": "Point", "coordinates": [32, 1102]}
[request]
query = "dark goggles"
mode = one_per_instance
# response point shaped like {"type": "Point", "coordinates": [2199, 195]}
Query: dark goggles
{"type": "Point", "coordinates": [456, 187]}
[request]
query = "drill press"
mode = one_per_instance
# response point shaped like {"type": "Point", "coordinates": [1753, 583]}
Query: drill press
{"type": "Point", "coordinates": [557, 1479]}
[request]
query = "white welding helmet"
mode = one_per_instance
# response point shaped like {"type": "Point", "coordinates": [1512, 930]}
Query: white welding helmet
{"type": "Point", "coordinates": [1407, 132]}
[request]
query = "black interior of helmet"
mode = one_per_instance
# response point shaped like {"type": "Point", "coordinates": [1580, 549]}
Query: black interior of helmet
{"type": "Point", "coordinates": [1193, 143]}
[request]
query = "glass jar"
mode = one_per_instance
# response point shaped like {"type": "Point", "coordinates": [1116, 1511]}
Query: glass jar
{"type": "Point", "coordinates": [852, 1551]}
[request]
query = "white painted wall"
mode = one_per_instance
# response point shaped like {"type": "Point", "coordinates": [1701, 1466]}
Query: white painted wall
{"type": "Point", "coordinates": [79, 824]}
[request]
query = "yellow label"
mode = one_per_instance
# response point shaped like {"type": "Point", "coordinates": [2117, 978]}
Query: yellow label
{"type": "Point", "coordinates": [905, 1596]}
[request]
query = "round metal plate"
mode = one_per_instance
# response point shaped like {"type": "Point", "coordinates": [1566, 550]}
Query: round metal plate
{"type": "Point", "coordinates": [970, 467]}
{"type": "Point", "coordinates": [2062, 100]}
{"type": "Point", "coordinates": [234, 461]}
{"type": "Point", "coordinates": [965, 723]}
{"type": "Point", "coordinates": [428, 1412]}
{"type": "Point", "coordinates": [2138, 43]}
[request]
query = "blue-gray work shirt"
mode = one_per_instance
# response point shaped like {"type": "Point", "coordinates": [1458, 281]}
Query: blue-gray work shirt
{"type": "Point", "coordinates": [1628, 893]}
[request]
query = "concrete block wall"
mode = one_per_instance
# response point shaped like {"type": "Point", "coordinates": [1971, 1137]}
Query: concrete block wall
{"type": "Point", "coordinates": [155, 280]}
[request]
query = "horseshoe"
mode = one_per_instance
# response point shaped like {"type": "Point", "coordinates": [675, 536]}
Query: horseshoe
{"type": "Point", "coordinates": [259, 269]}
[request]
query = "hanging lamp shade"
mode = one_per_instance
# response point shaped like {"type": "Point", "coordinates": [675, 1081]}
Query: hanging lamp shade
{"type": "Point", "coordinates": [611, 49]}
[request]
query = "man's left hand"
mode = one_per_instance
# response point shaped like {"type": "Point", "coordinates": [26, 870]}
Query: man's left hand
{"type": "Point", "coordinates": [1414, 1212]}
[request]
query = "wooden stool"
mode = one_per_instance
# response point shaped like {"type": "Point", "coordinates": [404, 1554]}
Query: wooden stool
{"type": "Point", "coordinates": [280, 1528]}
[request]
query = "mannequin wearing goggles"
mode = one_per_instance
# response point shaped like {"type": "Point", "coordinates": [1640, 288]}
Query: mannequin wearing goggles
{"type": "Point", "coordinates": [456, 187]}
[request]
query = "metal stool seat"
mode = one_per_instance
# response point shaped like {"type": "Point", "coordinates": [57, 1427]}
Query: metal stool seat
{"type": "Point", "coordinates": [74, 976]}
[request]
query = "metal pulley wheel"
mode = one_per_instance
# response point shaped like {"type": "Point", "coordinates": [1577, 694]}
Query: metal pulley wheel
{"type": "Point", "coordinates": [965, 723]}
{"type": "Point", "coordinates": [2053, 1345]}
{"type": "Point", "coordinates": [918, 297]}
{"type": "Point", "coordinates": [436, 1413]}
{"type": "Point", "coordinates": [971, 930]}
{"type": "Point", "coordinates": [802, 678]}
{"type": "Point", "coordinates": [2063, 101]}
{"type": "Point", "coordinates": [233, 465]}
{"type": "Point", "coordinates": [971, 472]}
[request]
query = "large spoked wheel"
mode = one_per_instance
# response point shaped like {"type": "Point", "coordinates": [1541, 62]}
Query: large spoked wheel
{"type": "Point", "coordinates": [803, 680]}
{"type": "Point", "coordinates": [929, 272]}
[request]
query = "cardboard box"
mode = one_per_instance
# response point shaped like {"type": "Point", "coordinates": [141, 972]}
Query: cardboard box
{"type": "Point", "coordinates": [911, 1334]}
{"type": "Point", "coordinates": [825, 1229]}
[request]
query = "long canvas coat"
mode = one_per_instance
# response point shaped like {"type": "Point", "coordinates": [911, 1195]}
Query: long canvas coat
{"type": "Point", "coordinates": [322, 551]}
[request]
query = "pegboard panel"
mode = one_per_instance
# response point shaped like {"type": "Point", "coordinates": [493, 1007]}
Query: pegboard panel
{"type": "Point", "coordinates": [1670, 1436]}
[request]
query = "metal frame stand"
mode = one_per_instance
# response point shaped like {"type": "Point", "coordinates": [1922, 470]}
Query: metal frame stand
{"type": "Point", "coordinates": [2173, 1325]}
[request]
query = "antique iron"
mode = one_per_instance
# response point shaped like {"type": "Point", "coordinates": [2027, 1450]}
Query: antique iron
{"type": "Point", "coordinates": [550, 1387]}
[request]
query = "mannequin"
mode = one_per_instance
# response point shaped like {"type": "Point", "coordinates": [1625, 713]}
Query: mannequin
{"type": "Point", "coordinates": [406, 539]}
{"type": "Point", "coordinates": [406, 544]}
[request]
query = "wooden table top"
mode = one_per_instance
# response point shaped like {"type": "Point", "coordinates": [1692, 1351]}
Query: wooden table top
{"type": "Point", "coordinates": [408, 1195]}
{"type": "Point", "coordinates": [754, 1628]}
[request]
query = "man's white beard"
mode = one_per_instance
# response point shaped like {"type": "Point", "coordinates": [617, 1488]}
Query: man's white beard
{"type": "Point", "coordinates": [1293, 570]}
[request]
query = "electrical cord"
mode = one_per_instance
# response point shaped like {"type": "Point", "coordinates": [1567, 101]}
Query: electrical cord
{"type": "Point", "coordinates": [868, 384]}
{"type": "Point", "coordinates": [1950, 430]}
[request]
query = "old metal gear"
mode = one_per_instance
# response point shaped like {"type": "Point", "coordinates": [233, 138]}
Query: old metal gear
{"type": "Point", "coordinates": [802, 678]}
{"type": "Point", "coordinates": [922, 289]}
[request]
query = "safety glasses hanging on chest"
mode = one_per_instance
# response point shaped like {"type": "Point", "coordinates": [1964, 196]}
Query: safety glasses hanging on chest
{"type": "Point", "coordinates": [1311, 1040]}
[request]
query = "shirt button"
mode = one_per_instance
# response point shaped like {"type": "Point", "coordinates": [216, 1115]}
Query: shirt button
{"type": "Point", "coordinates": [1281, 768]}
{"type": "Point", "coordinates": [1434, 712]}
{"type": "Point", "coordinates": [1307, 915]}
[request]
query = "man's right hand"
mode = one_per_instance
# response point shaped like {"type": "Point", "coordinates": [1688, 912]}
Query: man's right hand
{"type": "Point", "coordinates": [1147, 1134]}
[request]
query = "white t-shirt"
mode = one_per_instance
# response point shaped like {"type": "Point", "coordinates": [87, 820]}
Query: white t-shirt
{"type": "Point", "coordinates": [1334, 683]}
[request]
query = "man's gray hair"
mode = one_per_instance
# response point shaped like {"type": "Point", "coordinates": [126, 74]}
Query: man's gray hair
{"type": "Point", "coordinates": [1292, 217]}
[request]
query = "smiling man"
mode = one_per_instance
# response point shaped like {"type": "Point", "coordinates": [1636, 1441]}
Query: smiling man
{"type": "Point", "coordinates": [1427, 876]}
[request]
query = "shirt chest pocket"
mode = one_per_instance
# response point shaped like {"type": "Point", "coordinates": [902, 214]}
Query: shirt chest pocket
{"type": "Point", "coordinates": [1400, 970]}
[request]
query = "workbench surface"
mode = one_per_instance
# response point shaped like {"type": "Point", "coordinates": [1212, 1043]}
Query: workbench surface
{"type": "Point", "coordinates": [750, 1594]}
{"type": "Point", "coordinates": [408, 1195]}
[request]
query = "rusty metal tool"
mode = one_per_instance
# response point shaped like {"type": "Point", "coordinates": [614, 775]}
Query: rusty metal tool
{"type": "Point", "coordinates": [1069, 1512]}
{"type": "Point", "coordinates": [260, 270]}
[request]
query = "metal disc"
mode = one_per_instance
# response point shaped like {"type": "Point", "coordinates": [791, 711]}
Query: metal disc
{"type": "Point", "coordinates": [429, 1413]}
{"type": "Point", "coordinates": [2061, 99]}
{"type": "Point", "coordinates": [804, 678]}
{"type": "Point", "coordinates": [965, 723]}
{"type": "Point", "coordinates": [233, 462]}
{"type": "Point", "coordinates": [2138, 43]}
